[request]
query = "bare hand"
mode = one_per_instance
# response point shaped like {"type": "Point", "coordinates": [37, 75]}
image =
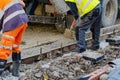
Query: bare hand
{"type": "Point", "coordinates": [22, 3]}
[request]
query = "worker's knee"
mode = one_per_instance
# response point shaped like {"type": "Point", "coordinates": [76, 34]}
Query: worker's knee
{"type": "Point", "coordinates": [6, 46]}
{"type": "Point", "coordinates": [6, 43]}
{"type": "Point", "coordinates": [7, 40]}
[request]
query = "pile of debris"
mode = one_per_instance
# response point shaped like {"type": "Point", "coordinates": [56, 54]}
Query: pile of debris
{"type": "Point", "coordinates": [67, 67]}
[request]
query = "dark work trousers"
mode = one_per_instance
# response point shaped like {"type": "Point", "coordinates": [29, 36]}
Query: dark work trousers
{"type": "Point", "coordinates": [90, 21]}
{"type": "Point", "coordinates": [32, 7]}
{"type": "Point", "coordinates": [73, 9]}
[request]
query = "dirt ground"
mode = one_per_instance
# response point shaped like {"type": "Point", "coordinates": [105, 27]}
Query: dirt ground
{"type": "Point", "coordinates": [37, 34]}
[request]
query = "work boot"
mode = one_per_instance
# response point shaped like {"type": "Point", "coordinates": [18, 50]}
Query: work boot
{"type": "Point", "coordinates": [2, 65]}
{"type": "Point", "coordinates": [79, 50]}
{"type": "Point", "coordinates": [16, 57]}
{"type": "Point", "coordinates": [95, 48]}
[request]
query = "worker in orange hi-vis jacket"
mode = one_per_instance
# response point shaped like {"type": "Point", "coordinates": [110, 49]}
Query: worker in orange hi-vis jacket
{"type": "Point", "coordinates": [13, 22]}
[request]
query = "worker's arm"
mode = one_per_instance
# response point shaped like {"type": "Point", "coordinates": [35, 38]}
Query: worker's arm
{"type": "Point", "coordinates": [22, 3]}
{"type": "Point", "coordinates": [73, 9]}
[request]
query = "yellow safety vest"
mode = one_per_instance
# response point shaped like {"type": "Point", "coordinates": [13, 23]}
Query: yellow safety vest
{"type": "Point", "coordinates": [85, 6]}
{"type": "Point", "coordinates": [70, 1]}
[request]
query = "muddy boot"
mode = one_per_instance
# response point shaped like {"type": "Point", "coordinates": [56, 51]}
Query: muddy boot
{"type": "Point", "coordinates": [16, 57]}
{"type": "Point", "coordinates": [95, 46]}
{"type": "Point", "coordinates": [2, 65]}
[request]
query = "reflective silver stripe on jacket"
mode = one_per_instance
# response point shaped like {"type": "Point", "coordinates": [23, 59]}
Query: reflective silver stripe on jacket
{"type": "Point", "coordinates": [7, 6]}
{"type": "Point", "coordinates": [79, 2]}
{"type": "Point", "coordinates": [1, 14]}
{"type": "Point", "coordinates": [13, 15]}
{"type": "Point", "coordinates": [85, 6]}
{"type": "Point", "coordinates": [6, 47]}
{"type": "Point", "coordinates": [11, 4]}
{"type": "Point", "coordinates": [15, 46]}
{"type": "Point", "coordinates": [8, 36]}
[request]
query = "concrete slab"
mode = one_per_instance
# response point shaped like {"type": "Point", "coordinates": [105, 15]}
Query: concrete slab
{"type": "Point", "coordinates": [114, 41]}
{"type": "Point", "coordinates": [94, 57]}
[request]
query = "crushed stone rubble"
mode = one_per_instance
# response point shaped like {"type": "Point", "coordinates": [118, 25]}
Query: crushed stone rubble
{"type": "Point", "coordinates": [67, 67]}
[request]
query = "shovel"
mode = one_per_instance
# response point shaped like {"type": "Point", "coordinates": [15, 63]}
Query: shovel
{"type": "Point", "coordinates": [68, 32]}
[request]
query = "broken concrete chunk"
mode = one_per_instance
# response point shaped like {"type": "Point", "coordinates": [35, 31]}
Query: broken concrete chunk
{"type": "Point", "coordinates": [93, 56]}
{"type": "Point", "coordinates": [114, 41]}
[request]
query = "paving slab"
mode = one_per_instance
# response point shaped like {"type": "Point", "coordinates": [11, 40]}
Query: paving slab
{"type": "Point", "coordinates": [94, 57]}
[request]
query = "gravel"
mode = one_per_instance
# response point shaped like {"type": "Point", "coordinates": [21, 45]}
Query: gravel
{"type": "Point", "coordinates": [68, 67]}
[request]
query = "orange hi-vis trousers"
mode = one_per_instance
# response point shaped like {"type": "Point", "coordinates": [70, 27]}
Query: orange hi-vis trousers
{"type": "Point", "coordinates": [10, 41]}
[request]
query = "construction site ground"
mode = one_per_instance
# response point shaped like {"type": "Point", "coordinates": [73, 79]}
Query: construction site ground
{"type": "Point", "coordinates": [47, 38]}
{"type": "Point", "coordinates": [40, 34]}
{"type": "Point", "coordinates": [62, 67]}
{"type": "Point", "coordinates": [66, 67]}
